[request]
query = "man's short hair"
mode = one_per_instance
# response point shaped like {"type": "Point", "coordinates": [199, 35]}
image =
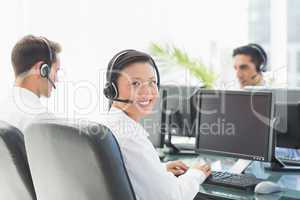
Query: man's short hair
{"type": "Point", "coordinates": [30, 50]}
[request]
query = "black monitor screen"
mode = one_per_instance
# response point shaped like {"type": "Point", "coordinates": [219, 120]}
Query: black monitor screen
{"type": "Point", "coordinates": [290, 138]}
{"type": "Point", "coordinates": [235, 123]}
{"type": "Point", "coordinates": [179, 111]}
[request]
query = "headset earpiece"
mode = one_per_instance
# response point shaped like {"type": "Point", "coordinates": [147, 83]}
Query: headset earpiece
{"type": "Point", "coordinates": [45, 67]}
{"type": "Point", "coordinates": [110, 91]}
{"type": "Point", "coordinates": [44, 70]}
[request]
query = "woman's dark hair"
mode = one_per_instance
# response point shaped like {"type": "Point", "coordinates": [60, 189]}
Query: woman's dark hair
{"type": "Point", "coordinates": [123, 59]}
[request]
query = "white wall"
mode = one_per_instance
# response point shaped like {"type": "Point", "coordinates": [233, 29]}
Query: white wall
{"type": "Point", "coordinates": [92, 31]}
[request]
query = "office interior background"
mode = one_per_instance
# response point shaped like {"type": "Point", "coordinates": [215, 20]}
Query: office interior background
{"type": "Point", "coordinates": [92, 31]}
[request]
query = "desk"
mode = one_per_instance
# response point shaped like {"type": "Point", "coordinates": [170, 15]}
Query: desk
{"type": "Point", "coordinates": [289, 180]}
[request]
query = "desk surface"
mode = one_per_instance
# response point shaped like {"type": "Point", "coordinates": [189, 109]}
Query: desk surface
{"type": "Point", "coordinates": [290, 181]}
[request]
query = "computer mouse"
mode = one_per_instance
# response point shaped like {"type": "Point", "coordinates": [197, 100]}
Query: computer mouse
{"type": "Point", "coordinates": [267, 187]}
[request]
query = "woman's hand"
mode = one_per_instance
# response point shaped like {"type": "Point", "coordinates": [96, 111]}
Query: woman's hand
{"type": "Point", "coordinates": [177, 167]}
{"type": "Point", "coordinates": [205, 168]}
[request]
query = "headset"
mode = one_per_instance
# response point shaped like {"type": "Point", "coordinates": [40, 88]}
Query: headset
{"type": "Point", "coordinates": [263, 66]}
{"type": "Point", "coordinates": [110, 89]}
{"type": "Point", "coordinates": [45, 67]}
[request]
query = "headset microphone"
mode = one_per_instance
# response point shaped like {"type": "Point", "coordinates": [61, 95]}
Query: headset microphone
{"type": "Point", "coordinates": [122, 100]}
{"type": "Point", "coordinates": [51, 82]}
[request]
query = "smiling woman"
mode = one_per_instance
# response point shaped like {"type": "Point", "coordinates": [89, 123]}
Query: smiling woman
{"type": "Point", "coordinates": [140, 88]}
{"type": "Point", "coordinates": [132, 83]}
{"type": "Point", "coordinates": [132, 87]}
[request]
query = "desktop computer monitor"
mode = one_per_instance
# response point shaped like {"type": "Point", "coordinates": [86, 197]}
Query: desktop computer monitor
{"type": "Point", "coordinates": [172, 112]}
{"type": "Point", "coordinates": [287, 114]}
{"type": "Point", "coordinates": [235, 124]}
{"type": "Point", "coordinates": [176, 105]}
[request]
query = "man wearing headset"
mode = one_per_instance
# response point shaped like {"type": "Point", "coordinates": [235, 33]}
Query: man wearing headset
{"type": "Point", "coordinates": [250, 62]}
{"type": "Point", "coordinates": [35, 63]}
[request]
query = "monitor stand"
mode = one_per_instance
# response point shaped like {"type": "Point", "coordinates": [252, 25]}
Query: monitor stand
{"type": "Point", "coordinates": [172, 149]}
{"type": "Point", "coordinates": [169, 132]}
{"type": "Point", "coordinates": [240, 166]}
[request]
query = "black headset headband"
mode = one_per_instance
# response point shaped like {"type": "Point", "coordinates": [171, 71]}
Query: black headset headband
{"type": "Point", "coordinates": [261, 52]}
{"type": "Point", "coordinates": [45, 67]}
{"type": "Point", "coordinates": [112, 65]}
{"type": "Point", "coordinates": [45, 41]}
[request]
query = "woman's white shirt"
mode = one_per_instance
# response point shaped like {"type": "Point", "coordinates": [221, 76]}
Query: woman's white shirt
{"type": "Point", "coordinates": [149, 177]}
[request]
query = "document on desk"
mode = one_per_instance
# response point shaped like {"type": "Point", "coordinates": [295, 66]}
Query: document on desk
{"type": "Point", "coordinates": [239, 166]}
{"type": "Point", "coordinates": [215, 166]}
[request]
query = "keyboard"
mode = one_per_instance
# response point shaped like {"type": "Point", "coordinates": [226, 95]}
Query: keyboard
{"type": "Point", "coordinates": [239, 181]}
{"type": "Point", "coordinates": [290, 161]}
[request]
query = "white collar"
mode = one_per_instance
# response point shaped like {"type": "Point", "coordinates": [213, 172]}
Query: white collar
{"type": "Point", "coordinates": [27, 100]}
{"type": "Point", "coordinates": [123, 119]}
{"type": "Point", "coordinates": [25, 93]}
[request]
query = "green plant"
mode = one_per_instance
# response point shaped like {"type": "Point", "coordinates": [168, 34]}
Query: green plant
{"type": "Point", "coordinates": [173, 56]}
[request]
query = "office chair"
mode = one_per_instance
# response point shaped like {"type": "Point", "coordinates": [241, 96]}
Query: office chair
{"type": "Point", "coordinates": [81, 162]}
{"type": "Point", "coordinates": [15, 177]}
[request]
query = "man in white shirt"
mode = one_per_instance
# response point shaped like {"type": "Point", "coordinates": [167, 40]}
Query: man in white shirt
{"type": "Point", "coordinates": [35, 63]}
{"type": "Point", "coordinates": [250, 61]}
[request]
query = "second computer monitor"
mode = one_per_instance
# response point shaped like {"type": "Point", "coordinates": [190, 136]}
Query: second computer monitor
{"type": "Point", "coordinates": [235, 124]}
{"type": "Point", "coordinates": [290, 138]}
{"type": "Point", "coordinates": [287, 114]}
{"type": "Point", "coordinates": [178, 110]}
